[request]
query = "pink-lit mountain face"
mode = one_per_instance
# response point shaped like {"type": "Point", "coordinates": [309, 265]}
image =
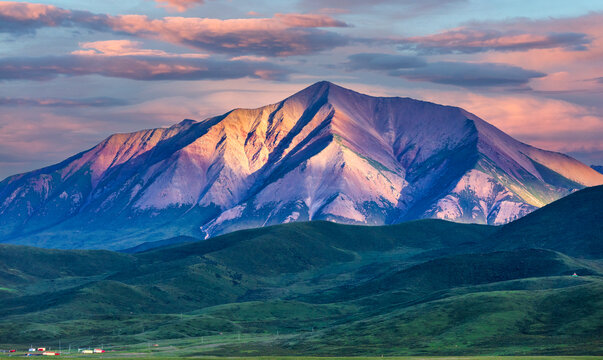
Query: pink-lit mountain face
{"type": "Point", "coordinates": [324, 153]}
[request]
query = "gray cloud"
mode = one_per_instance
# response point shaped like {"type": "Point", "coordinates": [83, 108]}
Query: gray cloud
{"type": "Point", "coordinates": [286, 43]}
{"type": "Point", "coordinates": [137, 68]}
{"type": "Point", "coordinates": [470, 74]}
{"type": "Point", "coordinates": [450, 73]}
{"type": "Point", "coordinates": [375, 61]}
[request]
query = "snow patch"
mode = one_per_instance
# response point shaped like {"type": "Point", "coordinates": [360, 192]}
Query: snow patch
{"type": "Point", "coordinates": [343, 207]}
{"type": "Point", "coordinates": [509, 211]}
{"type": "Point", "coordinates": [294, 216]}
{"type": "Point", "coordinates": [448, 208]}
{"type": "Point", "coordinates": [231, 214]}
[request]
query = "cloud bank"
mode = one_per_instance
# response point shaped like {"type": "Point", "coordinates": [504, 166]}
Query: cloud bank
{"type": "Point", "coordinates": [137, 68]}
{"type": "Point", "coordinates": [280, 35]}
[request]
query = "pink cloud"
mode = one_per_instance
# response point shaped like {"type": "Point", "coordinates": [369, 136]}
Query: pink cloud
{"type": "Point", "coordinates": [308, 20]}
{"type": "Point", "coordinates": [126, 48]}
{"type": "Point", "coordinates": [514, 35]}
{"type": "Point", "coordinates": [569, 69]}
{"type": "Point", "coordinates": [179, 5]}
{"type": "Point", "coordinates": [568, 50]}
{"type": "Point", "coordinates": [249, 58]}
{"type": "Point", "coordinates": [280, 35]}
{"type": "Point", "coordinates": [22, 11]}
{"type": "Point", "coordinates": [467, 40]}
{"type": "Point", "coordinates": [23, 17]}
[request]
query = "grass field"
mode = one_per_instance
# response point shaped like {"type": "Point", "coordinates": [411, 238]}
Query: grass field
{"type": "Point", "coordinates": [143, 356]}
{"type": "Point", "coordinates": [420, 288]}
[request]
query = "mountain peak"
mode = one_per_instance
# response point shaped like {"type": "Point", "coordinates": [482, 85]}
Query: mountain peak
{"type": "Point", "coordinates": [324, 153]}
{"type": "Point", "coordinates": [322, 88]}
{"type": "Point", "coordinates": [322, 84]}
{"type": "Point", "coordinates": [186, 122]}
{"type": "Point", "coordinates": [315, 90]}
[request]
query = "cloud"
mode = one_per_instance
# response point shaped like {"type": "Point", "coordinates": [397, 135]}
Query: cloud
{"type": "Point", "coordinates": [249, 58]}
{"type": "Point", "coordinates": [469, 74]}
{"type": "Point", "coordinates": [24, 17]}
{"type": "Point", "coordinates": [374, 61]}
{"type": "Point", "coordinates": [126, 48]}
{"type": "Point", "coordinates": [59, 102]}
{"type": "Point", "coordinates": [136, 68]}
{"type": "Point", "coordinates": [569, 69]}
{"type": "Point", "coordinates": [463, 74]}
{"type": "Point", "coordinates": [280, 35]}
{"type": "Point", "coordinates": [405, 8]}
{"type": "Point", "coordinates": [572, 34]}
{"type": "Point", "coordinates": [179, 5]}
{"type": "Point", "coordinates": [470, 40]}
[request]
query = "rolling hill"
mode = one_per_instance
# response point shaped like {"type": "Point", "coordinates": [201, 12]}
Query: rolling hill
{"type": "Point", "coordinates": [572, 225]}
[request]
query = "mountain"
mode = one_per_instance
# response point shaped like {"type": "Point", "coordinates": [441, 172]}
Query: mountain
{"type": "Point", "coordinates": [325, 153]}
{"type": "Point", "coordinates": [598, 168]}
{"type": "Point", "coordinates": [425, 287]}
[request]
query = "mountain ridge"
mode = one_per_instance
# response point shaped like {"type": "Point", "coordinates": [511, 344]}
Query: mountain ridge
{"type": "Point", "coordinates": [324, 153]}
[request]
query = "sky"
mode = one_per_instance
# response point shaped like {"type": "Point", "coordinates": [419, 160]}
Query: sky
{"type": "Point", "coordinates": [72, 72]}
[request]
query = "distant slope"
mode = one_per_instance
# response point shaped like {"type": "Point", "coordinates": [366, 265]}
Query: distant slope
{"type": "Point", "coordinates": [296, 247]}
{"type": "Point", "coordinates": [24, 264]}
{"type": "Point", "coordinates": [458, 271]}
{"type": "Point", "coordinates": [572, 225]}
{"type": "Point", "coordinates": [566, 321]}
{"type": "Point", "coordinates": [146, 246]}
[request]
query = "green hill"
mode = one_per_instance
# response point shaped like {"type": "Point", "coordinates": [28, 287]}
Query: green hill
{"type": "Point", "coordinates": [25, 265]}
{"type": "Point", "coordinates": [295, 247]}
{"type": "Point", "coordinates": [555, 321]}
{"type": "Point", "coordinates": [572, 225]}
{"type": "Point", "coordinates": [461, 270]}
